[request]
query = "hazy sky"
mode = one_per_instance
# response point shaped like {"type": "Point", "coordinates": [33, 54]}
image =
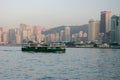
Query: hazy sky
{"type": "Point", "coordinates": [53, 12]}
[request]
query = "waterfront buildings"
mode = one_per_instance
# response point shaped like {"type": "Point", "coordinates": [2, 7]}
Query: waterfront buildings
{"type": "Point", "coordinates": [15, 36]}
{"type": "Point", "coordinates": [37, 33]}
{"type": "Point", "coordinates": [85, 35]}
{"type": "Point", "coordinates": [80, 36]}
{"type": "Point", "coordinates": [26, 32]}
{"type": "Point", "coordinates": [57, 37]}
{"type": "Point", "coordinates": [119, 31]}
{"type": "Point", "coordinates": [114, 29]}
{"type": "Point", "coordinates": [18, 39]}
{"type": "Point", "coordinates": [67, 34]}
{"type": "Point", "coordinates": [11, 36]}
{"type": "Point", "coordinates": [93, 30]}
{"type": "Point", "coordinates": [105, 23]}
{"type": "Point", "coordinates": [62, 36]}
{"type": "Point", "coordinates": [4, 38]}
{"type": "Point", "coordinates": [1, 30]}
{"type": "Point", "coordinates": [106, 30]}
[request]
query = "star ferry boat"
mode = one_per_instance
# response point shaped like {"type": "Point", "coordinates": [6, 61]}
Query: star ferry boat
{"type": "Point", "coordinates": [44, 47]}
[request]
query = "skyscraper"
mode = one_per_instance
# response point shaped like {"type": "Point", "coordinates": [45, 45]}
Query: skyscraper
{"type": "Point", "coordinates": [51, 37]}
{"type": "Point", "coordinates": [1, 31]}
{"type": "Point", "coordinates": [24, 35]}
{"type": "Point", "coordinates": [26, 32]}
{"type": "Point", "coordinates": [57, 37]}
{"type": "Point", "coordinates": [105, 23]}
{"type": "Point", "coordinates": [37, 33]}
{"type": "Point", "coordinates": [80, 34]}
{"type": "Point", "coordinates": [62, 36]}
{"type": "Point", "coordinates": [119, 30]}
{"type": "Point", "coordinates": [67, 34]}
{"type": "Point", "coordinates": [18, 39]}
{"type": "Point", "coordinates": [18, 36]}
{"type": "Point", "coordinates": [4, 37]}
{"type": "Point", "coordinates": [114, 29]}
{"type": "Point", "coordinates": [93, 30]}
{"type": "Point", "coordinates": [11, 36]}
{"type": "Point", "coordinates": [23, 28]}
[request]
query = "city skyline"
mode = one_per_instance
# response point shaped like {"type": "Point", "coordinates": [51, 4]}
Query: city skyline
{"type": "Point", "coordinates": [51, 13]}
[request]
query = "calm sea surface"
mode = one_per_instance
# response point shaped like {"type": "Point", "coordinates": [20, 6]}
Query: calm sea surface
{"type": "Point", "coordinates": [75, 64]}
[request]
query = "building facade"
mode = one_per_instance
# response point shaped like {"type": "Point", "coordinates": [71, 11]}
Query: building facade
{"type": "Point", "coordinates": [67, 34]}
{"type": "Point", "coordinates": [114, 29]}
{"type": "Point", "coordinates": [62, 36]}
{"type": "Point", "coordinates": [5, 38]}
{"type": "Point", "coordinates": [105, 23]}
{"type": "Point", "coordinates": [1, 31]}
{"type": "Point", "coordinates": [119, 31]}
{"type": "Point", "coordinates": [11, 36]}
{"type": "Point", "coordinates": [93, 30]}
{"type": "Point", "coordinates": [37, 33]}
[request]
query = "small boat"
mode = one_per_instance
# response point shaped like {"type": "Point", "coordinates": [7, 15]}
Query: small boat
{"type": "Point", "coordinates": [43, 47]}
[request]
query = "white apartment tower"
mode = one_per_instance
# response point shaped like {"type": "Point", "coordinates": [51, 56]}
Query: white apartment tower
{"type": "Point", "coordinates": [93, 30]}
{"type": "Point", "coordinates": [67, 34]}
{"type": "Point", "coordinates": [5, 37]}
{"type": "Point", "coordinates": [62, 36]}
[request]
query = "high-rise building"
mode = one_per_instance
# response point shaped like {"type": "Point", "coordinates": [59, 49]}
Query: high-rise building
{"type": "Point", "coordinates": [5, 38]}
{"type": "Point", "coordinates": [62, 36]}
{"type": "Point", "coordinates": [57, 37]}
{"type": "Point", "coordinates": [29, 35]}
{"type": "Point", "coordinates": [46, 38]}
{"type": "Point", "coordinates": [18, 39]}
{"type": "Point", "coordinates": [42, 37]}
{"type": "Point", "coordinates": [67, 34]}
{"type": "Point", "coordinates": [114, 29]}
{"type": "Point", "coordinates": [105, 23]}
{"type": "Point", "coordinates": [26, 32]}
{"type": "Point", "coordinates": [24, 35]}
{"type": "Point", "coordinates": [119, 30]}
{"type": "Point", "coordinates": [80, 34]}
{"type": "Point", "coordinates": [23, 27]}
{"type": "Point", "coordinates": [11, 36]}
{"type": "Point", "coordinates": [75, 37]}
{"type": "Point", "coordinates": [93, 30]}
{"type": "Point", "coordinates": [52, 37]}
{"type": "Point", "coordinates": [85, 34]}
{"type": "Point", "coordinates": [37, 33]}
{"type": "Point", "coordinates": [1, 31]}
{"type": "Point", "coordinates": [17, 36]}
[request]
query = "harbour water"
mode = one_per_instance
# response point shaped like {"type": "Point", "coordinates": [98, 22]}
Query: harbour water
{"type": "Point", "coordinates": [75, 64]}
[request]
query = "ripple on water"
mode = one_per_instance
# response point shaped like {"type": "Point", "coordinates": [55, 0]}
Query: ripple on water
{"type": "Point", "coordinates": [75, 64]}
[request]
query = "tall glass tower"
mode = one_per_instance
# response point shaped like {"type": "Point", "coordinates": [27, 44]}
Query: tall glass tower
{"type": "Point", "coordinates": [105, 23]}
{"type": "Point", "coordinates": [114, 29]}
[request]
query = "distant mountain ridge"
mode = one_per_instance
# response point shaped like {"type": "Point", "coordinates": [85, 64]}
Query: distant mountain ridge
{"type": "Point", "coordinates": [74, 29]}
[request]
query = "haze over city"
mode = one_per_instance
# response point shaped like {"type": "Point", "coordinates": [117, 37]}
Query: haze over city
{"type": "Point", "coordinates": [52, 13]}
{"type": "Point", "coordinates": [59, 39]}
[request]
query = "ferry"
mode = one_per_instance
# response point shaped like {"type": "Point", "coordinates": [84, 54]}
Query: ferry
{"type": "Point", "coordinates": [43, 47]}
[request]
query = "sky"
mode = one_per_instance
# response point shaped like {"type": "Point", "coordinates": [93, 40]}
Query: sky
{"type": "Point", "coordinates": [52, 13]}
